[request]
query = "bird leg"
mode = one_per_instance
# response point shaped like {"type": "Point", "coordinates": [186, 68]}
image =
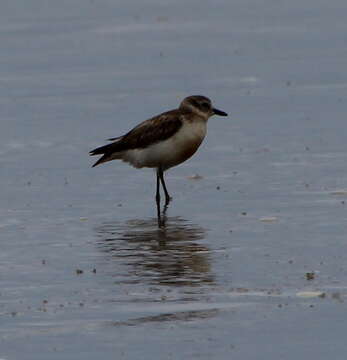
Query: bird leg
{"type": "Point", "coordinates": [160, 179]}
{"type": "Point", "coordinates": [161, 176]}
{"type": "Point", "coordinates": [157, 199]}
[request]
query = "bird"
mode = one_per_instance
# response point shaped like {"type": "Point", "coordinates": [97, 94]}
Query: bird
{"type": "Point", "coordinates": [163, 141]}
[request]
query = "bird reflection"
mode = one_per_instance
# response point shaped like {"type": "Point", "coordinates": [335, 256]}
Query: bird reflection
{"type": "Point", "coordinates": [168, 255]}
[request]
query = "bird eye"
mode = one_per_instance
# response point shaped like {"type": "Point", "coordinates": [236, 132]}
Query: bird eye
{"type": "Point", "coordinates": [205, 105]}
{"type": "Point", "coordinates": [195, 103]}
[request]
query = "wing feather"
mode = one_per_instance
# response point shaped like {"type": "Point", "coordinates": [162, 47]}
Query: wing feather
{"type": "Point", "coordinates": [151, 131]}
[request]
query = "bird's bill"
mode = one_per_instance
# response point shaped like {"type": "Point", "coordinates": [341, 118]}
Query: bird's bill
{"type": "Point", "coordinates": [219, 112]}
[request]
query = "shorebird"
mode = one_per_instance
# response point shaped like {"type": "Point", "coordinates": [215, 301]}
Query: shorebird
{"type": "Point", "coordinates": [163, 141]}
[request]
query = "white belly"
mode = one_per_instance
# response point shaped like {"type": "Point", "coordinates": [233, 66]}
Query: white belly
{"type": "Point", "coordinates": [169, 152]}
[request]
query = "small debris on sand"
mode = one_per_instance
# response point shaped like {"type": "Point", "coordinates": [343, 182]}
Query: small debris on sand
{"type": "Point", "coordinates": [195, 177]}
{"type": "Point", "coordinates": [268, 219]}
{"type": "Point", "coordinates": [339, 192]}
{"type": "Point", "coordinates": [310, 294]}
{"type": "Point", "coordinates": [310, 275]}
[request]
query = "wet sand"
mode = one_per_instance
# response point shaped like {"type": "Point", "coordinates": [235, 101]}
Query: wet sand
{"type": "Point", "coordinates": [251, 262]}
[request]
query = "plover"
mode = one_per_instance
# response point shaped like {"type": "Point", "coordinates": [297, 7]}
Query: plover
{"type": "Point", "coordinates": [163, 141]}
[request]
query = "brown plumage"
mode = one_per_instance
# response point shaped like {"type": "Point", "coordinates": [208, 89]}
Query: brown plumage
{"type": "Point", "coordinates": [151, 131]}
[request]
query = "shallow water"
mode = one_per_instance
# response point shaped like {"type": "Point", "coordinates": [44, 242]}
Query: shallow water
{"type": "Point", "coordinates": [251, 261]}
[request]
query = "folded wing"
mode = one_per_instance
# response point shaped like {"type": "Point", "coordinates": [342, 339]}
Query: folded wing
{"type": "Point", "coordinates": [151, 131]}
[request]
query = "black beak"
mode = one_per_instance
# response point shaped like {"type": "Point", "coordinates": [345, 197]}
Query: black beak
{"type": "Point", "coordinates": [219, 112]}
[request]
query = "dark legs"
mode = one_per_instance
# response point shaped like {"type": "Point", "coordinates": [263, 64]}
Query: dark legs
{"type": "Point", "coordinates": [157, 199]}
{"type": "Point", "coordinates": [161, 176]}
{"type": "Point", "coordinates": [160, 179]}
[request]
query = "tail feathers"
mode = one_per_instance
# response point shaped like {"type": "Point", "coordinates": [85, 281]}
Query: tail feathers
{"type": "Point", "coordinates": [102, 160]}
{"type": "Point", "coordinates": [101, 150]}
{"type": "Point", "coordinates": [109, 152]}
{"type": "Point", "coordinates": [114, 139]}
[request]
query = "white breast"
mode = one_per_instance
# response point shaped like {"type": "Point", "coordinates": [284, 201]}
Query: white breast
{"type": "Point", "coordinates": [169, 152]}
